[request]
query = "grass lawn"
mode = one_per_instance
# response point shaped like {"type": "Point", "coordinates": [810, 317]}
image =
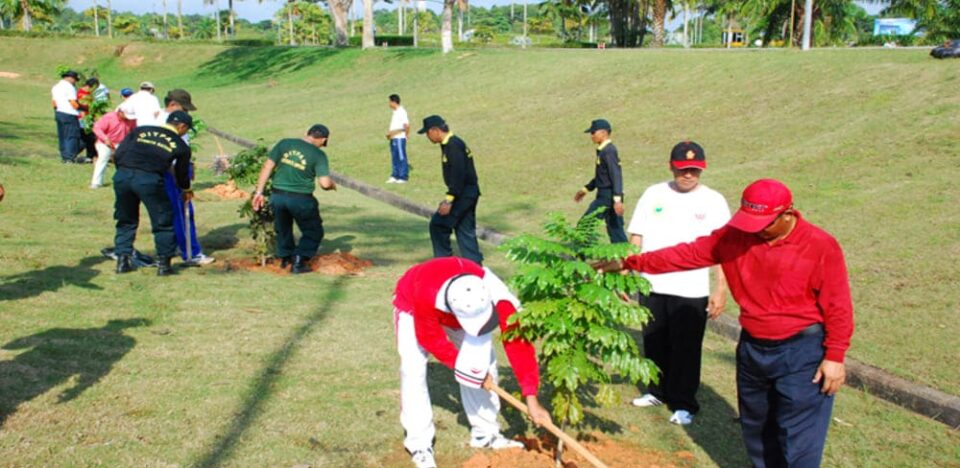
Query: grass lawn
{"type": "Point", "coordinates": [251, 369]}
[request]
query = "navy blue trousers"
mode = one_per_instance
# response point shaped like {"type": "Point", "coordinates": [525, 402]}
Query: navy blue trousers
{"type": "Point", "coordinates": [68, 135]}
{"type": "Point", "coordinates": [614, 223]}
{"type": "Point", "coordinates": [783, 415]}
{"type": "Point", "coordinates": [398, 156]}
{"type": "Point", "coordinates": [131, 188]}
{"type": "Point", "coordinates": [462, 219]}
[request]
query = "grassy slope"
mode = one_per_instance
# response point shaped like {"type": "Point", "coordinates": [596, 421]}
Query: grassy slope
{"type": "Point", "coordinates": [213, 375]}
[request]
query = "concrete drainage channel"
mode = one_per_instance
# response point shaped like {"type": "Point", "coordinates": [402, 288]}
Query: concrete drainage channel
{"type": "Point", "coordinates": [921, 399]}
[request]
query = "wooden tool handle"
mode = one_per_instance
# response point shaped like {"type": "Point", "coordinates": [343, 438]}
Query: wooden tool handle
{"type": "Point", "coordinates": [551, 427]}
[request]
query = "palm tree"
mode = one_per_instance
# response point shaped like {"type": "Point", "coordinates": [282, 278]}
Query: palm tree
{"type": "Point", "coordinates": [180, 18]}
{"type": "Point", "coordinates": [446, 33]}
{"type": "Point", "coordinates": [660, 9]}
{"type": "Point", "coordinates": [109, 20]}
{"type": "Point", "coordinates": [340, 9]}
{"type": "Point", "coordinates": [368, 26]}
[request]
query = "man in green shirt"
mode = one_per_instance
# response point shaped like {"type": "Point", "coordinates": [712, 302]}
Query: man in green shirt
{"type": "Point", "coordinates": [298, 162]}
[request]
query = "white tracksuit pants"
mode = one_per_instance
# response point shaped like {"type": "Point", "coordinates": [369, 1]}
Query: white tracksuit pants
{"type": "Point", "coordinates": [104, 153]}
{"type": "Point", "coordinates": [416, 414]}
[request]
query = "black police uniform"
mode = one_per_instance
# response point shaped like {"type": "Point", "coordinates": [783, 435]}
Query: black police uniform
{"type": "Point", "coordinates": [608, 181]}
{"type": "Point", "coordinates": [463, 191]}
{"type": "Point", "coordinates": [142, 159]}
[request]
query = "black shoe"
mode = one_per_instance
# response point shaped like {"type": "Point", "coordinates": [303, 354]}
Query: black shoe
{"type": "Point", "coordinates": [301, 265]}
{"type": "Point", "coordinates": [163, 267]}
{"type": "Point", "coordinates": [286, 261]}
{"type": "Point", "coordinates": [125, 264]}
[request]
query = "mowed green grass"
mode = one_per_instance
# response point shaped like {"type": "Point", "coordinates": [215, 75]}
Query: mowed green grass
{"type": "Point", "coordinates": [252, 369]}
{"type": "Point", "coordinates": [215, 367]}
{"type": "Point", "coordinates": [866, 139]}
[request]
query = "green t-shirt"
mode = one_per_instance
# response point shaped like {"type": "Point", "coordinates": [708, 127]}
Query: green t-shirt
{"type": "Point", "coordinates": [298, 165]}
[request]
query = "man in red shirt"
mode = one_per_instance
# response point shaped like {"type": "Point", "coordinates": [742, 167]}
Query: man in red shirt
{"type": "Point", "coordinates": [790, 280]}
{"type": "Point", "coordinates": [449, 307]}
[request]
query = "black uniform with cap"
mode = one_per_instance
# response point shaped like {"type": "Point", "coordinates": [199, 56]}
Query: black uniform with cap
{"type": "Point", "coordinates": [463, 193]}
{"type": "Point", "coordinates": [608, 182]}
{"type": "Point", "coordinates": [142, 159]}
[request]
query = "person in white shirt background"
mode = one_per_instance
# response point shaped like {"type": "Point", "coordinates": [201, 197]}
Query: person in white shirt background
{"type": "Point", "coordinates": [397, 134]}
{"type": "Point", "coordinates": [670, 213]}
{"type": "Point", "coordinates": [66, 113]}
{"type": "Point", "coordinates": [144, 105]}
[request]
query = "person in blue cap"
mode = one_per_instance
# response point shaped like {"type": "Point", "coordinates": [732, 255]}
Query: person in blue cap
{"type": "Point", "coordinates": [607, 181]}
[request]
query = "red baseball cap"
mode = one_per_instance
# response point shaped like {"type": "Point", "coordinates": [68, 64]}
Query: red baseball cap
{"type": "Point", "coordinates": [687, 154]}
{"type": "Point", "coordinates": [761, 203]}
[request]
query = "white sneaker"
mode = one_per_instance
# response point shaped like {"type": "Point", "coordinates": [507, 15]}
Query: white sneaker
{"type": "Point", "coordinates": [391, 180]}
{"type": "Point", "coordinates": [423, 458]}
{"type": "Point", "coordinates": [681, 417]}
{"type": "Point", "coordinates": [399, 181]}
{"type": "Point", "coordinates": [93, 186]}
{"type": "Point", "coordinates": [201, 260]}
{"type": "Point", "coordinates": [646, 401]}
{"type": "Point", "coordinates": [495, 442]}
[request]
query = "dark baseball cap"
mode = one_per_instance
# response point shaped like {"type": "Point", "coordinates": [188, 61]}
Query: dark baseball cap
{"type": "Point", "coordinates": [71, 74]}
{"type": "Point", "coordinates": [178, 117]}
{"type": "Point", "coordinates": [599, 124]}
{"type": "Point", "coordinates": [687, 154]}
{"type": "Point", "coordinates": [432, 121]}
{"type": "Point", "coordinates": [183, 97]}
{"type": "Point", "coordinates": [319, 131]}
{"type": "Point", "coordinates": [761, 203]}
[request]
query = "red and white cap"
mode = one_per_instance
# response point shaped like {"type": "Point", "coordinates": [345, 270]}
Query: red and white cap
{"type": "Point", "coordinates": [474, 360]}
{"type": "Point", "coordinates": [467, 297]}
{"type": "Point", "coordinates": [761, 203]}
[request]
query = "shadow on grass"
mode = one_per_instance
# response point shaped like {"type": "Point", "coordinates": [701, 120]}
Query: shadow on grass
{"type": "Point", "coordinates": [263, 385]}
{"type": "Point", "coordinates": [716, 429]}
{"type": "Point", "coordinates": [221, 238]}
{"type": "Point", "coordinates": [14, 131]}
{"type": "Point", "coordinates": [263, 62]}
{"type": "Point", "coordinates": [34, 283]}
{"type": "Point", "coordinates": [57, 355]}
{"type": "Point", "coordinates": [400, 234]}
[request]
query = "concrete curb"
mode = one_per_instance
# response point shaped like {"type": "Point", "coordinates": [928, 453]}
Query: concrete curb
{"type": "Point", "coordinates": [915, 397]}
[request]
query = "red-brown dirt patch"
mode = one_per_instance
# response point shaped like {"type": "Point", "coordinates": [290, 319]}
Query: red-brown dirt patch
{"type": "Point", "coordinates": [228, 191]}
{"type": "Point", "coordinates": [539, 453]}
{"type": "Point", "coordinates": [332, 264]}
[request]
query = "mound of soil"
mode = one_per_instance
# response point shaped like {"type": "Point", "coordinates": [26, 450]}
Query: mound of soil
{"type": "Point", "coordinates": [228, 191]}
{"type": "Point", "coordinates": [539, 453]}
{"type": "Point", "coordinates": [10, 75]}
{"type": "Point", "coordinates": [332, 264]}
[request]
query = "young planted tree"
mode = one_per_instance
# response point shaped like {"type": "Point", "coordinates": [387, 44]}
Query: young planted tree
{"type": "Point", "coordinates": [244, 169]}
{"type": "Point", "coordinates": [577, 315]}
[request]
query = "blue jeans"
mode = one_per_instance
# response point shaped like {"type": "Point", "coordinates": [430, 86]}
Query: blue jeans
{"type": "Point", "coordinates": [783, 415]}
{"type": "Point", "coordinates": [398, 154]}
{"type": "Point", "coordinates": [179, 226]}
{"type": "Point", "coordinates": [68, 135]}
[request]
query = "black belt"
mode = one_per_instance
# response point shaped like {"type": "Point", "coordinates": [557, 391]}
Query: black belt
{"type": "Point", "coordinates": [814, 329]}
{"type": "Point", "coordinates": [292, 194]}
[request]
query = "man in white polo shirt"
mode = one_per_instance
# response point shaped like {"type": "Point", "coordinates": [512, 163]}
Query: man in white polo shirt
{"type": "Point", "coordinates": [144, 105]}
{"type": "Point", "coordinates": [397, 134]}
{"type": "Point", "coordinates": [667, 214]}
{"type": "Point", "coordinates": [66, 108]}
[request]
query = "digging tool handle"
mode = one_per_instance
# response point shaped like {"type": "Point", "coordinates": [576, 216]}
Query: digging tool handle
{"type": "Point", "coordinates": [552, 428]}
{"type": "Point", "coordinates": [186, 229]}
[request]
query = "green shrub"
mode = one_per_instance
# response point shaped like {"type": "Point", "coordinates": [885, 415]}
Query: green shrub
{"type": "Point", "coordinates": [577, 315]}
{"type": "Point", "coordinates": [244, 170]}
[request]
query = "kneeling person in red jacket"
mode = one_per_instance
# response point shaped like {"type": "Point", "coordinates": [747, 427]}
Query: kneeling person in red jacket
{"type": "Point", "coordinates": [449, 307]}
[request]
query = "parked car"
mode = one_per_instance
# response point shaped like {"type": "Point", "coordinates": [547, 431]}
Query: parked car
{"type": "Point", "coordinates": [948, 50]}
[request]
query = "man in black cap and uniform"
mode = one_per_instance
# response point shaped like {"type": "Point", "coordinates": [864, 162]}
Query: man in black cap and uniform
{"type": "Point", "coordinates": [458, 210]}
{"type": "Point", "coordinates": [298, 162]}
{"type": "Point", "coordinates": [608, 181]}
{"type": "Point", "coordinates": [142, 159]}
